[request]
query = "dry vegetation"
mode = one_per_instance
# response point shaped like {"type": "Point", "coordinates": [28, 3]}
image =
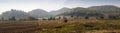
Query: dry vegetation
{"type": "Point", "coordinates": [58, 26]}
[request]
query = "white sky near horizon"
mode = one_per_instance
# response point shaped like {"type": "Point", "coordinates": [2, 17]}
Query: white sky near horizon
{"type": "Point", "coordinates": [49, 5]}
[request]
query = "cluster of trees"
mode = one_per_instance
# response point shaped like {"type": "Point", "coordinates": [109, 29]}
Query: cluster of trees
{"type": "Point", "coordinates": [104, 17]}
{"type": "Point", "coordinates": [109, 17]}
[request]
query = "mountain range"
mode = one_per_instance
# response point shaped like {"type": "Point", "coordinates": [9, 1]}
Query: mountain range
{"type": "Point", "coordinates": [78, 11]}
{"type": "Point", "coordinates": [93, 11]}
{"type": "Point", "coordinates": [17, 14]}
{"type": "Point", "coordinates": [106, 8]}
{"type": "Point", "coordinates": [39, 13]}
{"type": "Point", "coordinates": [62, 10]}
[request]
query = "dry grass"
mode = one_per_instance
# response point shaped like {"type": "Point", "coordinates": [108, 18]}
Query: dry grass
{"type": "Point", "coordinates": [58, 26]}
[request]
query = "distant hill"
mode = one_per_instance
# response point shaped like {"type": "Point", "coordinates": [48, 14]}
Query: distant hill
{"type": "Point", "coordinates": [39, 13]}
{"type": "Point", "coordinates": [17, 14]}
{"type": "Point", "coordinates": [106, 8]}
{"type": "Point", "coordinates": [93, 11]}
{"type": "Point", "coordinates": [62, 10]}
{"type": "Point", "coordinates": [79, 11]}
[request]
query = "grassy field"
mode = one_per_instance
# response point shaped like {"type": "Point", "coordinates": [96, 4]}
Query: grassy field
{"type": "Point", "coordinates": [58, 26]}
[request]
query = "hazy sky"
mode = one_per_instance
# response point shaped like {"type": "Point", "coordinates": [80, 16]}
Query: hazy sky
{"type": "Point", "coordinates": [28, 5]}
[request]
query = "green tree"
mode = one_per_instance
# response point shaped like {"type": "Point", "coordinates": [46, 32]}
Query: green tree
{"type": "Point", "coordinates": [12, 18]}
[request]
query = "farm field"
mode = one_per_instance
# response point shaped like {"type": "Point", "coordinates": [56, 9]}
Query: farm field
{"type": "Point", "coordinates": [58, 26]}
{"type": "Point", "coordinates": [59, 16]}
